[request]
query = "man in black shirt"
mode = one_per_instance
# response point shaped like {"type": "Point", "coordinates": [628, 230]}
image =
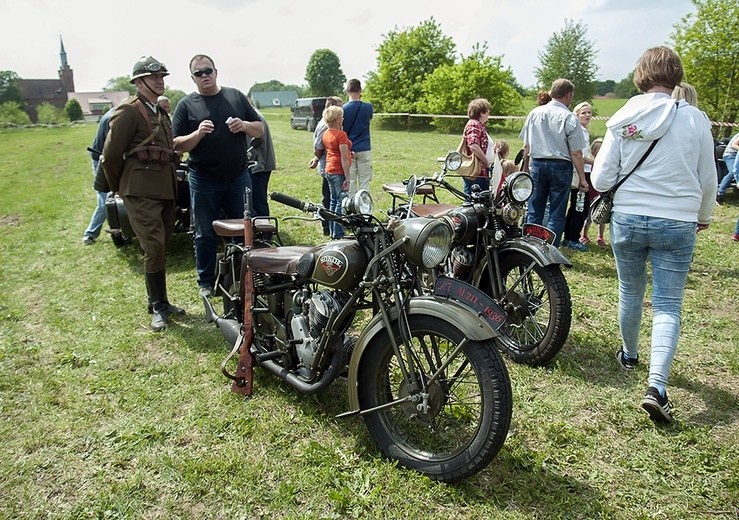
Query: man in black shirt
{"type": "Point", "coordinates": [211, 125]}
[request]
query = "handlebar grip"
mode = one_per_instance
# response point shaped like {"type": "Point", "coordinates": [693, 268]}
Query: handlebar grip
{"type": "Point", "coordinates": [290, 201]}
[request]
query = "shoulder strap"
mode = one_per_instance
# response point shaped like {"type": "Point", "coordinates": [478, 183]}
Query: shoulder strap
{"type": "Point", "coordinates": [356, 114]}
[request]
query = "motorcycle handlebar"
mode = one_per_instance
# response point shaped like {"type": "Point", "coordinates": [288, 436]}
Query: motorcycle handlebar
{"type": "Point", "coordinates": [292, 202]}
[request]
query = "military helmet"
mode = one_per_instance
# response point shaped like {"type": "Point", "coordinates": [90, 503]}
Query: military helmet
{"type": "Point", "coordinates": [146, 66]}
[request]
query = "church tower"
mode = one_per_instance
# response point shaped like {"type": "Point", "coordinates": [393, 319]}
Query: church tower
{"type": "Point", "coordinates": [66, 75]}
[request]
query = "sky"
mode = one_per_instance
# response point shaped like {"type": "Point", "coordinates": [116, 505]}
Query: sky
{"type": "Point", "coordinates": [260, 40]}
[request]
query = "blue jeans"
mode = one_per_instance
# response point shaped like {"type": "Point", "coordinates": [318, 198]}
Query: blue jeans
{"type": "Point", "coordinates": [211, 199]}
{"type": "Point", "coordinates": [335, 181]}
{"type": "Point", "coordinates": [98, 216]}
{"type": "Point", "coordinates": [259, 198]}
{"type": "Point", "coordinates": [483, 183]}
{"type": "Point", "coordinates": [552, 183]}
{"type": "Point", "coordinates": [730, 163]}
{"type": "Point", "coordinates": [669, 246]}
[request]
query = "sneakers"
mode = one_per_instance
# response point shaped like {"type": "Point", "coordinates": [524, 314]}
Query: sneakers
{"type": "Point", "coordinates": [626, 363]}
{"type": "Point", "coordinates": [719, 200]}
{"type": "Point", "coordinates": [656, 406]}
{"type": "Point", "coordinates": [584, 240]}
{"type": "Point", "coordinates": [205, 292]}
{"type": "Point", "coordinates": [736, 237]}
{"type": "Point", "coordinates": [577, 246]}
{"type": "Point", "coordinates": [87, 240]}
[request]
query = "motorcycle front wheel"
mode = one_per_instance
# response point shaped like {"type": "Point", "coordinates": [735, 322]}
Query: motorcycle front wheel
{"type": "Point", "coordinates": [469, 406]}
{"type": "Point", "coordinates": [537, 305]}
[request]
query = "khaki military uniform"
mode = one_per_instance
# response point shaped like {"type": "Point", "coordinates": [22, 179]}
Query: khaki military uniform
{"type": "Point", "coordinates": [148, 187]}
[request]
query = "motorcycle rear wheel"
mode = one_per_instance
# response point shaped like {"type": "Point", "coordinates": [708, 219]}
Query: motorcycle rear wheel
{"type": "Point", "coordinates": [538, 310]}
{"type": "Point", "coordinates": [469, 405]}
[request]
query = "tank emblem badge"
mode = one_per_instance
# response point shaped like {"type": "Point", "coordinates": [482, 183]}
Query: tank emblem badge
{"type": "Point", "coordinates": [331, 264]}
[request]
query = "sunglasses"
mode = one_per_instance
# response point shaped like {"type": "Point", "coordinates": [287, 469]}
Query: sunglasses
{"type": "Point", "coordinates": [199, 73]}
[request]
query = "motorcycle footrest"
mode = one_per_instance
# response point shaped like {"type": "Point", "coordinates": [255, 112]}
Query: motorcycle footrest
{"type": "Point", "coordinates": [267, 356]}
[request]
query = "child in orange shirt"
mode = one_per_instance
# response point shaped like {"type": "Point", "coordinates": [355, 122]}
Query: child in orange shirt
{"type": "Point", "coordinates": [338, 161]}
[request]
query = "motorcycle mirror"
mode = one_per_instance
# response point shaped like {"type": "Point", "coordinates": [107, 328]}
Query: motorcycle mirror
{"type": "Point", "coordinates": [410, 187]}
{"type": "Point", "coordinates": [519, 157]}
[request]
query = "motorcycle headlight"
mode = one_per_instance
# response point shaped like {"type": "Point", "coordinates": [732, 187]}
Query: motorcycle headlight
{"type": "Point", "coordinates": [519, 187]}
{"type": "Point", "coordinates": [453, 161]}
{"type": "Point", "coordinates": [359, 204]}
{"type": "Point", "coordinates": [430, 240]}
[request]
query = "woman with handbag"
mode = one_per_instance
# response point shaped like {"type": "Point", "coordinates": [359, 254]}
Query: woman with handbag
{"type": "Point", "coordinates": [475, 139]}
{"type": "Point", "coordinates": [668, 196]}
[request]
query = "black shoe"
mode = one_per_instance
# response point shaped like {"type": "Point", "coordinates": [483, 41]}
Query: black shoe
{"type": "Point", "coordinates": [657, 407]}
{"type": "Point", "coordinates": [719, 199]}
{"type": "Point", "coordinates": [626, 363]}
{"type": "Point", "coordinates": [171, 309]}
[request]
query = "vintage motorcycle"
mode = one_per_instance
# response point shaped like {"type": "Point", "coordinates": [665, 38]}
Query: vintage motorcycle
{"type": "Point", "coordinates": [515, 265]}
{"type": "Point", "coordinates": [424, 373]}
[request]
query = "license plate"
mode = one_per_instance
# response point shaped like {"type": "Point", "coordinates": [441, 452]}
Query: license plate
{"type": "Point", "coordinates": [535, 230]}
{"type": "Point", "coordinates": [471, 297]}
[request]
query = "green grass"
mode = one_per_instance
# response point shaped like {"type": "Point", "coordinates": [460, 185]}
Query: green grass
{"type": "Point", "coordinates": [100, 418]}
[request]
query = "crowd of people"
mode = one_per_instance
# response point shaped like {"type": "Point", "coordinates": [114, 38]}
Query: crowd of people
{"type": "Point", "coordinates": [660, 136]}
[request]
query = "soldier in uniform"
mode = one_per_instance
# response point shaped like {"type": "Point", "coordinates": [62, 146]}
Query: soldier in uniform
{"type": "Point", "coordinates": [138, 159]}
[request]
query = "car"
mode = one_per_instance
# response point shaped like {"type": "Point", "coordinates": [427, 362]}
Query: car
{"type": "Point", "coordinates": [306, 113]}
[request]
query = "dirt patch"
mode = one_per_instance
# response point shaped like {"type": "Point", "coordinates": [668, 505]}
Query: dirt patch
{"type": "Point", "coordinates": [13, 219]}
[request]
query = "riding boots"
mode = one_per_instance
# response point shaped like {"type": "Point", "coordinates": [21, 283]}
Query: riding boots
{"type": "Point", "coordinates": [156, 287]}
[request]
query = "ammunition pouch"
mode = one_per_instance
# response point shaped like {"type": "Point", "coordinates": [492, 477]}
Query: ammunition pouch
{"type": "Point", "coordinates": [153, 154]}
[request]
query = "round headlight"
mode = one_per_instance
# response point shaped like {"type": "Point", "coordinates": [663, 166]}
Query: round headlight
{"type": "Point", "coordinates": [359, 204]}
{"type": "Point", "coordinates": [453, 161]}
{"type": "Point", "coordinates": [430, 240]}
{"type": "Point", "coordinates": [519, 186]}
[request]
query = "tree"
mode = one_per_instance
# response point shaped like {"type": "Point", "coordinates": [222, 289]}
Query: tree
{"type": "Point", "coordinates": [450, 88]}
{"type": "Point", "coordinates": [73, 110]}
{"type": "Point", "coordinates": [48, 114]}
{"type": "Point", "coordinates": [324, 74]}
{"type": "Point", "coordinates": [11, 112]}
{"type": "Point", "coordinates": [404, 60]}
{"type": "Point", "coordinates": [625, 88]}
{"type": "Point", "coordinates": [9, 90]}
{"type": "Point", "coordinates": [120, 83]}
{"type": "Point", "coordinates": [174, 96]}
{"type": "Point", "coordinates": [707, 43]}
{"type": "Point", "coordinates": [568, 54]}
{"type": "Point", "coordinates": [604, 87]}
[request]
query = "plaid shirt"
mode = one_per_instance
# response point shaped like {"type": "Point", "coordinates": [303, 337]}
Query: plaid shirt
{"type": "Point", "coordinates": [476, 133]}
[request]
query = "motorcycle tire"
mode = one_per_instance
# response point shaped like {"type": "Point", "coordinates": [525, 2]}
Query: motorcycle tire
{"type": "Point", "coordinates": [469, 405]}
{"type": "Point", "coordinates": [538, 311]}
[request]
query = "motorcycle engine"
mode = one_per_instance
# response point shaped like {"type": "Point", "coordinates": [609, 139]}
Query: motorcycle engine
{"type": "Point", "coordinates": [309, 326]}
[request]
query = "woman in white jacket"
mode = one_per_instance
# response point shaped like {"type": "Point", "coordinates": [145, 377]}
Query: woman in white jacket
{"type": "Point", "coordinates": [656, 211]}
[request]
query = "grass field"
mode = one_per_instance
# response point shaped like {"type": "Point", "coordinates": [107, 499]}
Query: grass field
{"type": "Point", "coordinates": [102, 419]}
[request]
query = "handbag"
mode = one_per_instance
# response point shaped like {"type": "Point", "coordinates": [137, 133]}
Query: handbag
{"type": "Point", "coordinates": [470, 167]}
{"type": "Point", "coordinates": [602, 205]}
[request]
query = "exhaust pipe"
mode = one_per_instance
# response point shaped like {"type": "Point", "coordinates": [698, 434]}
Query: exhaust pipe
{"type": "Point", "coordinates": [230, 328]}
{"type": "Point", "coordinates": [307, 388]}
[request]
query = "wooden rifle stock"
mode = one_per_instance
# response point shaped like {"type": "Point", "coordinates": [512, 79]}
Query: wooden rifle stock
{"type": "Point", "coordinates": [245, 370]}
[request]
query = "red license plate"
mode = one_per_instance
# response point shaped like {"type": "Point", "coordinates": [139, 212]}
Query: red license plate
{"type": "Point", "coordinates": [535, 230]}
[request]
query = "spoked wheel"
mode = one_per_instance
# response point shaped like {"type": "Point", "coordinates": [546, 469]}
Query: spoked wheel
{"type": "Point", "coordinates": [537, 306]}
{"type": "Point", "coordinates": [456, 424]}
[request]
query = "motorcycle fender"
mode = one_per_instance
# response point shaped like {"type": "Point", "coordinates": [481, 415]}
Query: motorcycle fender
{"type": "Point", "coordinates": [544, 254]}
{"type": "Point", "coordinates": [450, 311]}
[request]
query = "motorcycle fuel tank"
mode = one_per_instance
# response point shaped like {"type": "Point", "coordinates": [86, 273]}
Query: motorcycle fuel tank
{"type": "Point", "coordinates": [339, 264]}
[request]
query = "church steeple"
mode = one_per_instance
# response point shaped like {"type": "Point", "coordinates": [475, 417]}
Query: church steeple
{"type": "Point", "coordinates": [66, 75]}
{"type": "Point", "coordinates": [63, 53]}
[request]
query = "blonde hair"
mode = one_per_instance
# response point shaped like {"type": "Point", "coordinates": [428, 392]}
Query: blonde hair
{"type": "Point", "coordinates": [658, 67]}
{"type": "Point", "coordinates": [582, 106]}
{"type": "Point", "coordinates": [687, 92]}
{"type": "Point", "coordinates": [332, 114]}
{"type": "Point", "coordinates": [595, 146]}
{"type": "Point", "coordinates": [502, 148]}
